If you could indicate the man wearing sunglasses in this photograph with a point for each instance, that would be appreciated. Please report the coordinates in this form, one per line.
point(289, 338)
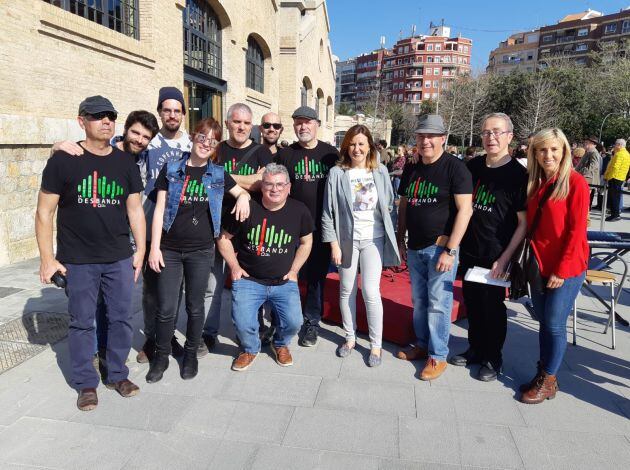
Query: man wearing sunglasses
point(97, 198)
point(271, 129)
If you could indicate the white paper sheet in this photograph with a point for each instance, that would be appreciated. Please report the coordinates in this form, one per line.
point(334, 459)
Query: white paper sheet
point(482, 276)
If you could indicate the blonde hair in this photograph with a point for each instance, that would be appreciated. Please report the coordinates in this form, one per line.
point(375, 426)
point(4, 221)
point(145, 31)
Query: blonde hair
point(536, 173)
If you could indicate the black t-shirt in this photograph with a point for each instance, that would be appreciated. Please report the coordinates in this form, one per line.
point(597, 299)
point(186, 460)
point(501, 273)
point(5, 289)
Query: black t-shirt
point(308, 170)
point(192, 228)
point(92, 224)
point(232, 159)
point(430, 191)
point(267, 241)
point(498, 194)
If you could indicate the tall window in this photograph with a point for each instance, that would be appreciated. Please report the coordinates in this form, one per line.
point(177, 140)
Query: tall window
point(202, 38)
point(119, 15)
point(255, 71)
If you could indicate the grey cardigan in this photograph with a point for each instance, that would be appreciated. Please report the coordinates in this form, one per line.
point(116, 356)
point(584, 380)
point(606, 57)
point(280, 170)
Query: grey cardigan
point(338, 221)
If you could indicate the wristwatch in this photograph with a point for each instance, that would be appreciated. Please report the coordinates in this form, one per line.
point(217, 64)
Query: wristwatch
point(450, 251)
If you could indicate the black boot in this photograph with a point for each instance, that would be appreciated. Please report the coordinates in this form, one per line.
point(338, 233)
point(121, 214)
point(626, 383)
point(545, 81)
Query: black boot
point(190, 365)
point(157, 368)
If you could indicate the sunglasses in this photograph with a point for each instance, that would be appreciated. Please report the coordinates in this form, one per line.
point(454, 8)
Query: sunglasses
point(102, 115)
point(268, 125)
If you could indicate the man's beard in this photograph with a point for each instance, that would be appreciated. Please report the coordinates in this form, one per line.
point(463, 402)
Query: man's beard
point(172, 127)
point(270, 142)
point(305, 138)
point(127, 148)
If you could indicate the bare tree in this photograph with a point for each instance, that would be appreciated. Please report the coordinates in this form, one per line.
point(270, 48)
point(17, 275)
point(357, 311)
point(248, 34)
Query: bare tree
point(538, 107)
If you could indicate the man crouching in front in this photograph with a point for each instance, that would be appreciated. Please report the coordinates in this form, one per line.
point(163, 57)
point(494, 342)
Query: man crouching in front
point(271, 247)
point(95, 196)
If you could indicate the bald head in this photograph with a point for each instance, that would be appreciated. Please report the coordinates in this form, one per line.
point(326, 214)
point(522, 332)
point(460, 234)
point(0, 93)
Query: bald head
point(271, 129)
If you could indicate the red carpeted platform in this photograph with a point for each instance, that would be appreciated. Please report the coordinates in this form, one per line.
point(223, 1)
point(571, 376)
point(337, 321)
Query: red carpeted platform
point(397, 308)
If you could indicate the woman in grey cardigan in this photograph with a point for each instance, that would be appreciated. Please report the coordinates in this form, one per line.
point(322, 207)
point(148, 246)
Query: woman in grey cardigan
point(356, 222)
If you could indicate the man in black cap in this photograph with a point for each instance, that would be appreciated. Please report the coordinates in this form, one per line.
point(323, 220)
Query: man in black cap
point(98, 198)
point(435, 205)
point(308, 161)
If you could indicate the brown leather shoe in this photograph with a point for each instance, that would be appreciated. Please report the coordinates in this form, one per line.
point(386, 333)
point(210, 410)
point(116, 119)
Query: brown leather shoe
point(126, 388)
point(87, 400)
point(526, 386)
point(413, 353)
point(147, 352)
point(544, 388)
point(243, 361)
point(283, 355)
point(433, 369)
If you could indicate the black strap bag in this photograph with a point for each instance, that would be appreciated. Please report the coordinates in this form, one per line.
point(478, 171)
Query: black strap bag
point(524, 266)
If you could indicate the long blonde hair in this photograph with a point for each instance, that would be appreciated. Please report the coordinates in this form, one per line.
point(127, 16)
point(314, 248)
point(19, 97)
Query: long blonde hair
point(536, 173)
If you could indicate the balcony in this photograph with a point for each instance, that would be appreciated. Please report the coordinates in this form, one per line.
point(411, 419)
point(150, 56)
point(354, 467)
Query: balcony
point(562, 39)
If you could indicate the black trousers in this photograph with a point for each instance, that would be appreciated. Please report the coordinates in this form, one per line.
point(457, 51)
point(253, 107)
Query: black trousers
point(487, 319)
point(194, 269)
point(314, 272)
point(614, 193)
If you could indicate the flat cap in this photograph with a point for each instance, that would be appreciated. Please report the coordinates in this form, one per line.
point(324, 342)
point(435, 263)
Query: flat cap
point(96, 104)
point(305, 112)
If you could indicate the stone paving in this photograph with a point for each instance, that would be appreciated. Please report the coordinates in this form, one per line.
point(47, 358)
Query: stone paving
point(324, 412)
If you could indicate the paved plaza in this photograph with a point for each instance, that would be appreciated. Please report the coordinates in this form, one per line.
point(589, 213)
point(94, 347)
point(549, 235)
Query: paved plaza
point(322, 413)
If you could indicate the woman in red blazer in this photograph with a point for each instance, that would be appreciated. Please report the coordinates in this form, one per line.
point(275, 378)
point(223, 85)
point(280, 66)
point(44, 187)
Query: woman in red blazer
point(560, 246)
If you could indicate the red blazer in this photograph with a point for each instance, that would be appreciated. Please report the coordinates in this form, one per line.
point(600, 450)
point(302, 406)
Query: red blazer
point(560, 242)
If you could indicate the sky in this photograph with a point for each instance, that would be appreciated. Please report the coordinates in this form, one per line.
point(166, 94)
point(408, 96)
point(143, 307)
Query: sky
point(357, 25)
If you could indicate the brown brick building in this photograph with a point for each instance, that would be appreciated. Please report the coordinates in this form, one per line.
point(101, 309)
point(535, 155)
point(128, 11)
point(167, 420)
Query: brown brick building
point(421, 66)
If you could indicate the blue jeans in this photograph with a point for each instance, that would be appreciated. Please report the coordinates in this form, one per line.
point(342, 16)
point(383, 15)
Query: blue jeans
point(115, 281)
point(552, 309)
point(432, 295)
point(248, 296)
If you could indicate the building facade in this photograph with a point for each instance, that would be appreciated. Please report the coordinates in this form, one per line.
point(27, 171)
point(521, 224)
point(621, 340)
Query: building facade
point(380, 128)
point(518, 52)
point(369, 76)
point(576, 36)
point(420, 67)
point(272, 55)
point(346, 83)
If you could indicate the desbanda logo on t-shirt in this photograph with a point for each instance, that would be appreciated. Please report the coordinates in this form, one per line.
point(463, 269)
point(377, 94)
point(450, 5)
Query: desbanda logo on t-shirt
point(233, 168)
point(99, 191)
point(421, 192)
point(482, 198)
point(193, 191)
point(268, 240)
point(308, 170)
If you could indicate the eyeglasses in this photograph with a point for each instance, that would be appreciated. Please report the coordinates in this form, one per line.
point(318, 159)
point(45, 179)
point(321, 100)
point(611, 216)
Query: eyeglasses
point(202, 138)
point(268, 125)
point(268, 185)
point(495, 134)
point(102, 115)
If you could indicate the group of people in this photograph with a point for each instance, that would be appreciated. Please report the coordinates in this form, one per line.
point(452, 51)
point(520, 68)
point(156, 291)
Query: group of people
point(200, 208)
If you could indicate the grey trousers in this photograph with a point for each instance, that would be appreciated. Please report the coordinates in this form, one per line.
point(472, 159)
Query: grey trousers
point(369, 255)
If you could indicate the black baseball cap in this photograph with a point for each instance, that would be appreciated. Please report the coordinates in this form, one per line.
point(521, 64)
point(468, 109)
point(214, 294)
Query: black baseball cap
point(96, 104)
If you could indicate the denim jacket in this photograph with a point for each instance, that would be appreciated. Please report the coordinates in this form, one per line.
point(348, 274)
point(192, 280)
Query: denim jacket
point(212, 180)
